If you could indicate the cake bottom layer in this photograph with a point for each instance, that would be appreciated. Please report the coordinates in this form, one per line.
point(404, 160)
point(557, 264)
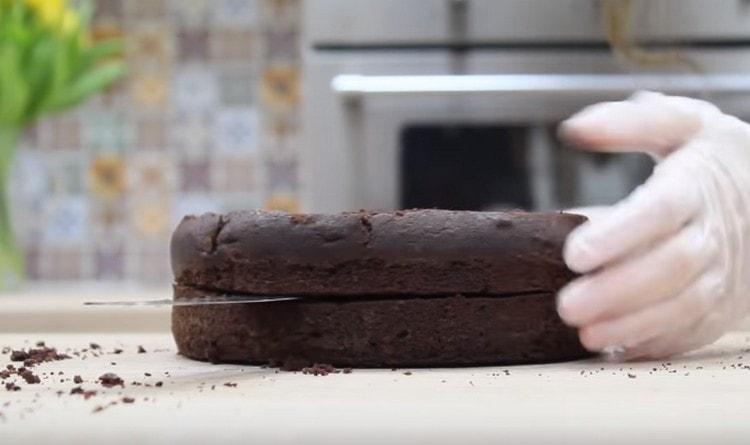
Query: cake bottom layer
point(387, 332)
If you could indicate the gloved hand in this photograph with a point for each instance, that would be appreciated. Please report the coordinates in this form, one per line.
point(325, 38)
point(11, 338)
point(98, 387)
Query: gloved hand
point(667, 269)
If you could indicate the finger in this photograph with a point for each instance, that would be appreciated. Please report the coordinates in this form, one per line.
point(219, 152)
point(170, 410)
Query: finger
point(647, 121)
point(694, 336)
point(658, 208)
point(640, 280)
point(593, 213)
point(658, 321)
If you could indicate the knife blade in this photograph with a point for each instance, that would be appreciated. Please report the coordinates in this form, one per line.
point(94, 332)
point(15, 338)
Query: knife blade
point(199, 301)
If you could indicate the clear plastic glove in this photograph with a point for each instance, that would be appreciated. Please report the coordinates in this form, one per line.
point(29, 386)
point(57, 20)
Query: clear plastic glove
point(667, 269)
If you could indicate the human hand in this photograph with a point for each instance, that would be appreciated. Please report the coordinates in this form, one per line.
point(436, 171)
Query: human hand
point(667, 269)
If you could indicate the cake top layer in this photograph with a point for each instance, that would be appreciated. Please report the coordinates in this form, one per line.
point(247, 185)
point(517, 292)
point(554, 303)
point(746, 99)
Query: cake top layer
point(395, 235)
point(411, 241)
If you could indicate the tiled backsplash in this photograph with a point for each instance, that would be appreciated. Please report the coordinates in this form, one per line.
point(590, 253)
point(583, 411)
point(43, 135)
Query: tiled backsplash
point(207, 119)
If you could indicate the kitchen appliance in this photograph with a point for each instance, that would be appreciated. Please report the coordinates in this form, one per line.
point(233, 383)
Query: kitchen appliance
point(454, 104)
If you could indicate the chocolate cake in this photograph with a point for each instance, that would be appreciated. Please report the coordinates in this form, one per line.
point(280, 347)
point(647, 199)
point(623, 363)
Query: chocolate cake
point(406, 288)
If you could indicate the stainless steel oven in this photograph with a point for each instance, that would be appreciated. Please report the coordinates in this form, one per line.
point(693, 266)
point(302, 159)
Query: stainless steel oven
point(454, 104)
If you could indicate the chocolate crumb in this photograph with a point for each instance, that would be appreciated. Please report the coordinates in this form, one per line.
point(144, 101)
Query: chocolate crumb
point(320, 369)
point(231, 385)
point(147, 374)
point(407, 373)
point(128, 400)
point(76, 390)
point(94, 346)
point(33, 357)
point(631, 376)
point(141, 349)
point(109, 380)
point(117, 351)
point(158, 384)
point(40, 344)
point(77, 379)
point(10, 386)
point(19, 356)
point(30, 377)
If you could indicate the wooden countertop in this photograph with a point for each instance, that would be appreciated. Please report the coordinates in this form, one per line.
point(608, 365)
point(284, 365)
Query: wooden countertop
point(701, 397)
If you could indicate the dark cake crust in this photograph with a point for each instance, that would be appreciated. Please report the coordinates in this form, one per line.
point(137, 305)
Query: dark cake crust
point(372, 332)
point(419, 252)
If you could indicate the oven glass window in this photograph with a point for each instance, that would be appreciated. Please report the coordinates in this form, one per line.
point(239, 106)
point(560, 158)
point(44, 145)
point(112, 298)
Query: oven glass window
point(464, 167)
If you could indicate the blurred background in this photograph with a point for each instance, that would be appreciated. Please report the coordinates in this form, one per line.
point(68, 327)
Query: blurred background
point(207, 119)
point(330, 105)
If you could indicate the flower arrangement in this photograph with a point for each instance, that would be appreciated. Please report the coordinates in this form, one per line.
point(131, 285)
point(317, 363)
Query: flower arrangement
point(48, 63)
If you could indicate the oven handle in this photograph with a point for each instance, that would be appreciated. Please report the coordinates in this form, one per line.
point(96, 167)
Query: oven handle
point(356, 86)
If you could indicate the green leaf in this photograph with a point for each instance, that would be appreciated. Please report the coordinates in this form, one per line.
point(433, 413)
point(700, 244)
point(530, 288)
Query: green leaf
point(99, 52)
point(92, 82)
point(14, 92)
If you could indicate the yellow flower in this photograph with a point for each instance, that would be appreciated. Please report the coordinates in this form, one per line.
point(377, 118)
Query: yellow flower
point(70, 22)
point(50, 11)
point(56, 14)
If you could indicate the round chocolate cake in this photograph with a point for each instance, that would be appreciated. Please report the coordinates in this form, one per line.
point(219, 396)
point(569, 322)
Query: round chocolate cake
point(405, 288)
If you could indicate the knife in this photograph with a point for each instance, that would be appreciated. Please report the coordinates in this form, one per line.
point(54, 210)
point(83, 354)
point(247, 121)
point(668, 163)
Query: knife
point(198, 301)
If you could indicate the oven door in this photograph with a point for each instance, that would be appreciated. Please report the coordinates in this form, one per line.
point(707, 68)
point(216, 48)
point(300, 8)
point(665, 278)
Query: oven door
point(396, 130)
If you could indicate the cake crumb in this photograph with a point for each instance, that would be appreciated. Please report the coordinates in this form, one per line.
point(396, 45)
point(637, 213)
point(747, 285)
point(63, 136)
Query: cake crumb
point(110, 379)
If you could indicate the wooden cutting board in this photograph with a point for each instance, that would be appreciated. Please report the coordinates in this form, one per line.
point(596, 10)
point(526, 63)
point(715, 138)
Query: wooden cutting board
point(702, 397)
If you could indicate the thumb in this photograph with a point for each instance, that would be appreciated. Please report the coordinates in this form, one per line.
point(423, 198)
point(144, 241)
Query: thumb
point(650, 122)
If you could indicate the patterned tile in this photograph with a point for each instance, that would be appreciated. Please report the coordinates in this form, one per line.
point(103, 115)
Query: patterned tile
point(208, 119)
point(280, 88)
point(150, 219)
point(283, 201)
point(193, 204)
point(283, 13)
point(66, 220)
point(109, 220)
point(236, 130)
point(68, 176)
point(228, 45)
point(31, 178)
point(191, 13)
point(237, 85)
point(237, 13)
point(140, 11)
point(281, 175)
point(150, 265)
point(150, 90)
point(151, 173)
point(195, 90)
point(108, 176)
point(109, 262)
point(59, 132)
point(149, 47)
point(191, 136)
point(106, 132)
point(151, 133)
point(108, 10)
point(193, 45)
point(195, 175)
point(234, 174)
point(63, 263)
point(32, 259)
point(281, 44)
